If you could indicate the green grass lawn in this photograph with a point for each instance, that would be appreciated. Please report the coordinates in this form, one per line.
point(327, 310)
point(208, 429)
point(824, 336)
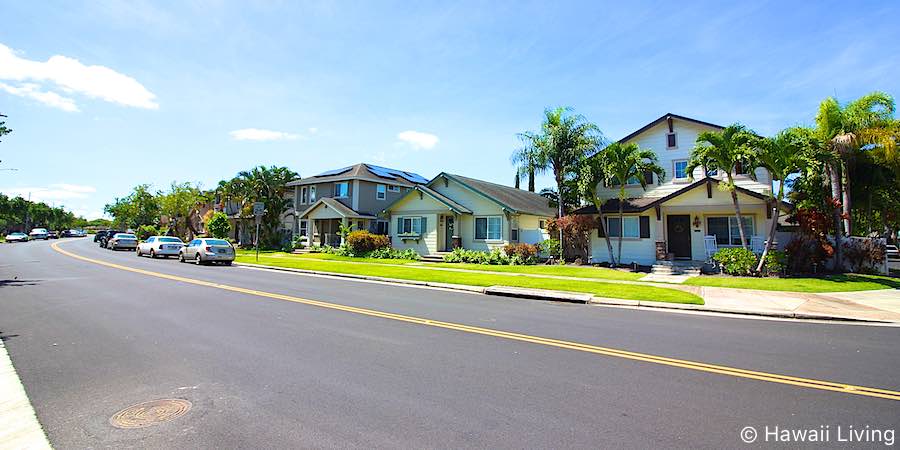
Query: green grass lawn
point(828, 283)
point(612, 290)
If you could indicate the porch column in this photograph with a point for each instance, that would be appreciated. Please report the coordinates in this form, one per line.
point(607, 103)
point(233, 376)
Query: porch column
point(311, 231)
point(456, 240)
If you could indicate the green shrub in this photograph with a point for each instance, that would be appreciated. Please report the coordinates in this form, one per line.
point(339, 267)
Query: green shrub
point(218, 225)
point(736, 261)
point(550, 247)
point(362, 242)
point(299, 241)
point(776, 261)
point(494, 257)
point(145, 231)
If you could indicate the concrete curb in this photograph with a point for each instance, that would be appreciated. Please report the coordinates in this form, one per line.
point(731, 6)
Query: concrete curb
point(567, 297)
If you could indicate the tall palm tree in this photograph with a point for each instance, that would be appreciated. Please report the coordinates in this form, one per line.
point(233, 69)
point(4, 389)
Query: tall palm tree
point(724, 151)
point(622, 163)
point(782, 155)
point(526, 158)
point(564, 141)
point(268, 185)
point(848, 128)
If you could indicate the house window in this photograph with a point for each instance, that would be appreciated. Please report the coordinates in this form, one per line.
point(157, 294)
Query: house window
point(542, 224)
point(380, 192)
point(739, 169)
point(671, 141)
point(514, 235)
point(303, 228)
point(726, 231)
point(411, 225)
point(629, 227)
point(304, 195)
point(312, 194)
point(488, 228)
point(680, 169)
point(381, 227)
point(394, 188)
point(342, 189)
point(712, 172)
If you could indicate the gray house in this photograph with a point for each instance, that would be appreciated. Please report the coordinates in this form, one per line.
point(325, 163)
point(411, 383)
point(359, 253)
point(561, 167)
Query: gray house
point(353, 195)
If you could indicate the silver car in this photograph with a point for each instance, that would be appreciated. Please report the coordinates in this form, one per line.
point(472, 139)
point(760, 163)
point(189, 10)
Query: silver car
point(206, 250)
point(157, 246)
point(122, 240)
point(18, 236)
point(39, 233)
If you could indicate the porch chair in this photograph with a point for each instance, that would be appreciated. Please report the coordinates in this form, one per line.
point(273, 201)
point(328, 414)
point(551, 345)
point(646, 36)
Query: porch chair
point(709, 243)
point(757, 244)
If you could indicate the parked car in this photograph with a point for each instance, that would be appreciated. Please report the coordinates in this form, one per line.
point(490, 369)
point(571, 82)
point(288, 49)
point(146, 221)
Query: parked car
point(156, 246)
point(53, 235)
point(39, 233)
point(18, 236)
point(206, 250)
point(104, 240)
point(98, 236)
point(122, 240)
point(79, 233)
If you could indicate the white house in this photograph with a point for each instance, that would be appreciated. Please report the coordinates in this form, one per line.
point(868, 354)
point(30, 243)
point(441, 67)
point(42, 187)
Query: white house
point(671, 218)
point(455, 211)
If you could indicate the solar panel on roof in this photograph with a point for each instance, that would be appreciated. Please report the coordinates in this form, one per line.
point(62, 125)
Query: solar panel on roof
point(382, 172)
point(334, 172)
point(394, 173)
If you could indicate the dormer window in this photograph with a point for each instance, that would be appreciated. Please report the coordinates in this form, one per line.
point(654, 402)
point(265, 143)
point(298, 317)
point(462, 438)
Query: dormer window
point(671, 141)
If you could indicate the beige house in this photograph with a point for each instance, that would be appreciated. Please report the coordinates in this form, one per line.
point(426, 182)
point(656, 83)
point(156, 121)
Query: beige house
point(455, 211)
point(680, 217)
point(353, 195)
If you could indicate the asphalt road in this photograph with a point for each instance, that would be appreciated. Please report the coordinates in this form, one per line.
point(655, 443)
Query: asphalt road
point(88, 340)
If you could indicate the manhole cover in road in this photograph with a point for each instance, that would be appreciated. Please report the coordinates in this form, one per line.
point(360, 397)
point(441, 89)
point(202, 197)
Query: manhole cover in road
point(150, 413)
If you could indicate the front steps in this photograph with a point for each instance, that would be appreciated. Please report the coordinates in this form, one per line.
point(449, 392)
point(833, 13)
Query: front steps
point(690, 268)
point(433, 257)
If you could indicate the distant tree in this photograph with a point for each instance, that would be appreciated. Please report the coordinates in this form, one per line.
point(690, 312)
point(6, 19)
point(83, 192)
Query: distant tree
point(140, 207)
point(267, 185)
point(4, 130)
point(181, 205)
point(218, 225)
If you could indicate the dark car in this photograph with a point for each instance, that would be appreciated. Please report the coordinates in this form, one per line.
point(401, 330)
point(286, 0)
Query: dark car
point(53, 235)
point(99, 235)
point(108, 235)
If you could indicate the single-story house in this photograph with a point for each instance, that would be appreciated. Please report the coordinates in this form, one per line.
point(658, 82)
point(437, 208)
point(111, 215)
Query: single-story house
point(453, 211)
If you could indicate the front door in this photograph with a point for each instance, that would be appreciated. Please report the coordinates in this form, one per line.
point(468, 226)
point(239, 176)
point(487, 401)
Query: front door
point(678, 230)
point(448, 233)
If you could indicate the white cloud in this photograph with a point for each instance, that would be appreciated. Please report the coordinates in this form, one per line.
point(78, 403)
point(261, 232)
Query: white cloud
point(33, 91)
point(72, 77)
point(53, 193)
point(312, 130)
point(257, 134)
point(418, 140)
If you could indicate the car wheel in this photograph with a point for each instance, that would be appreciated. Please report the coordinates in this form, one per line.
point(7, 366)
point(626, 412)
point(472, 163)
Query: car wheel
point(180, 257)
point(198, 260)
point(137, 251)
point(227, 263)
point(152, 254)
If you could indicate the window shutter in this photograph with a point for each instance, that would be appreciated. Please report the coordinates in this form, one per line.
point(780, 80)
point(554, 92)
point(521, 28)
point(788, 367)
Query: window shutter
point(399, 225)
point(422, 226)
point(648, 177)
point(645, 227)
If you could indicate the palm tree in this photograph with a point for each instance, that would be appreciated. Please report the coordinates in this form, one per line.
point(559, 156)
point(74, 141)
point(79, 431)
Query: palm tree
point(591, 176)
point(564, 141)
point(268, 185)
point(782, 155)
point(724, 151)
point(622, 163)
point(526, 158)
point(845, 129)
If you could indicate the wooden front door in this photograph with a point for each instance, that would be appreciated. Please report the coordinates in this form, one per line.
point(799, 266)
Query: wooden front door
point(448, 233)
point(678, 235)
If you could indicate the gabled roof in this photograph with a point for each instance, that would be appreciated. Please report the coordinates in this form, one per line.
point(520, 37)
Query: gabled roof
point(447, 201)
point(665, 117)
point(363, 171)
point(339, 207)
point(509, 198)
point(641, 204)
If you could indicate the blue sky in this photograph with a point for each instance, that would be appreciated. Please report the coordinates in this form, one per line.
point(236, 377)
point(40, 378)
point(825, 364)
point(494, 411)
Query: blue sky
point(108, 94)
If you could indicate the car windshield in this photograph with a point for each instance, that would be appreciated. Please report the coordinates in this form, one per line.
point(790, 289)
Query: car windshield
point(17, 234)
point(125, 236)
point(217, 242)
point(39, 230)
point(170, 239)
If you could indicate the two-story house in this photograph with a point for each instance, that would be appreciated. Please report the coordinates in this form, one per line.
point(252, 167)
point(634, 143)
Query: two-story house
point(353, 195)
point(673, 218)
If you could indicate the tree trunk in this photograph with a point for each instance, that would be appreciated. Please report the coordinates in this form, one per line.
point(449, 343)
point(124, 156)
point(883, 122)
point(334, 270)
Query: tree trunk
point(737, 211)
point(773, 228)
point(517, 180)
point(845, 198)
point(621, 226)
point(531, 180)
point(612, 256)
point(559, 186)
point(836, 214)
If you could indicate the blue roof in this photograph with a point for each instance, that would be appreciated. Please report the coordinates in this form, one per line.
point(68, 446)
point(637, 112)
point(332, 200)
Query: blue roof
point(394, 173)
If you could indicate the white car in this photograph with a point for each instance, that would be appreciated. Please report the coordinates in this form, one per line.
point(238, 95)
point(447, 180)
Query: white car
point(18, 236)
point(156, 246)
point(39, 233)
point(122, 240)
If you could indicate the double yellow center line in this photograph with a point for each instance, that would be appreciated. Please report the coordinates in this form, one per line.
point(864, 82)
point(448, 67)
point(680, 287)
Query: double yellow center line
point(577, 346)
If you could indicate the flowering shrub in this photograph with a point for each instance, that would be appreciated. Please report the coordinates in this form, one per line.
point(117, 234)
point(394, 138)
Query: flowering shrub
point(736, 261)
point(522, 253)
point(362, 242)
point(576, 234)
